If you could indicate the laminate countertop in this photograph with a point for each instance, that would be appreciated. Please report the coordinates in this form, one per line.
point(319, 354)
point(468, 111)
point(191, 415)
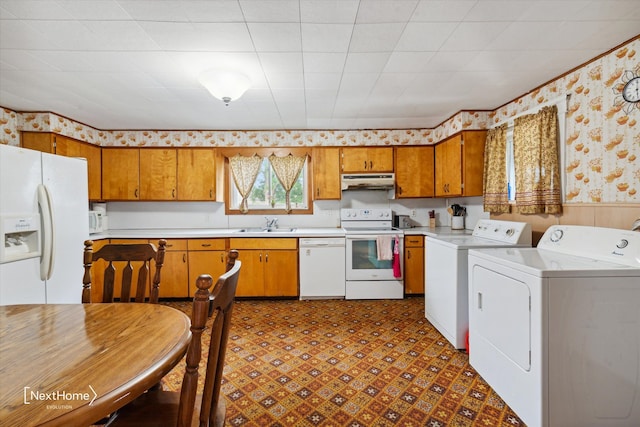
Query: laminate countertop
point(294, 232)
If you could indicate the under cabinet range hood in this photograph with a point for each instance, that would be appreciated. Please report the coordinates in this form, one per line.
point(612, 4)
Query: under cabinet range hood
point(368, 181)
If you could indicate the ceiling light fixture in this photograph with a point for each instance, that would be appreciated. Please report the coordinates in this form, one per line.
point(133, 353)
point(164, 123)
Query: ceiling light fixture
point(227, 86)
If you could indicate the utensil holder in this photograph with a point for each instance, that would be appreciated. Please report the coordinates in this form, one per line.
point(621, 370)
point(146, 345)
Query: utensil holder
point(432, 223)
point(457, 223)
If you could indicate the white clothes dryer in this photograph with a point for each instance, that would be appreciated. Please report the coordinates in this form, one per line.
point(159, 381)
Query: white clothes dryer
point(555, 330)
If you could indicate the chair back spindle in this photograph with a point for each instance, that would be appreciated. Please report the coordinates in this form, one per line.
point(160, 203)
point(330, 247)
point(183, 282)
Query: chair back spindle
point(138, 255)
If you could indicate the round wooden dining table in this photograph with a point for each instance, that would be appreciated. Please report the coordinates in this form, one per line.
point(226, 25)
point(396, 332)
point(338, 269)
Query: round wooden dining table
point(73, 364)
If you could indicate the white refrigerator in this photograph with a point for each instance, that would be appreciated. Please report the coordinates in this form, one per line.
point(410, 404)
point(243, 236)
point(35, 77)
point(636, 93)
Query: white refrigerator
point(43, 225)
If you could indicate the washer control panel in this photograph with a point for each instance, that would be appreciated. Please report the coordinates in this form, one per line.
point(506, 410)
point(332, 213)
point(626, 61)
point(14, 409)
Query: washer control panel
point(503, 231)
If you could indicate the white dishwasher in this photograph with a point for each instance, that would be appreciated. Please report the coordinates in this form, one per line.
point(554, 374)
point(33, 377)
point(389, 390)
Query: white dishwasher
point(322, 267)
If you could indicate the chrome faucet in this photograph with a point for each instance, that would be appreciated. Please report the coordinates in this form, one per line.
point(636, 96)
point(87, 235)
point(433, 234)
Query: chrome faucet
point(272, 223)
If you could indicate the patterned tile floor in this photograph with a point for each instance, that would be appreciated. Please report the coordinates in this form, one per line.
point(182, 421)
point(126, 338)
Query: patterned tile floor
point(348, 363)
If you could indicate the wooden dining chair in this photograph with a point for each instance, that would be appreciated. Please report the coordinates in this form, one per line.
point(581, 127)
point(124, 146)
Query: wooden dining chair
point(188, 408)
point(140, 255)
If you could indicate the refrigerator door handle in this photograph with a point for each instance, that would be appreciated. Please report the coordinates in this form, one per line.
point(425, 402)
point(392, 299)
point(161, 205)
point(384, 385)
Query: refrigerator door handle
point(48, 253)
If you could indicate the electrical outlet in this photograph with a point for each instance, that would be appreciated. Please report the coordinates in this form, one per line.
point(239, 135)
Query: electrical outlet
point(413, 213)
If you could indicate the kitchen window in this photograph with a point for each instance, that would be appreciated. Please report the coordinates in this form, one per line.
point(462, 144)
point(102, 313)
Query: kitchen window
point(266, 193)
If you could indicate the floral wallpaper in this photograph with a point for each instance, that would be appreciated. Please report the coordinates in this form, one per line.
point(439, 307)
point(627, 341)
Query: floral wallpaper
point(602, 145)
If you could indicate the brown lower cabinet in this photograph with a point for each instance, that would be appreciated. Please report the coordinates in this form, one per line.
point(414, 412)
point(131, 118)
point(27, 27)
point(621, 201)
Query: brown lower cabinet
point(175, 271)
point(414, 265)
point(269, 266)
point(206, 256)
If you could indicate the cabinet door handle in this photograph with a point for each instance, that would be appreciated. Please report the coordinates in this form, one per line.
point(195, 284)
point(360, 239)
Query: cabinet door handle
point(135, 193)
point(222, 257)
point(266, 257)
point(184, 257)
point(399, 190)
point(318, 192)
point(365, 165)
point(479, 300)
point(260, 256)
point(206, 245)
point(173, 193)
point(408, 253)
point(370, 164)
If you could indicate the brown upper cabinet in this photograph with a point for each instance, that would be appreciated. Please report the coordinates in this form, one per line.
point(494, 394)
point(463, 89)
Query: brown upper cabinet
point(158, 173)
point(459, 165)
point(414, 171)
point(197, 174)
point(326, 173)
point(69, 147)
point(121, 173)
point(367, 159)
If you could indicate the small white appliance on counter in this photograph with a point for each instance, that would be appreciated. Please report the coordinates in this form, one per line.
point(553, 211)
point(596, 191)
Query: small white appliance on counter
point(446, 292)
point(43, 224)
point(322, 265)
point(97, 222)
point(373, 269)
point(555, 330)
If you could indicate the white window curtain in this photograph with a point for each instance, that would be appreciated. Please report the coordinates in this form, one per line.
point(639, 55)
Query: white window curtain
point(287, 170)
point(244, 171)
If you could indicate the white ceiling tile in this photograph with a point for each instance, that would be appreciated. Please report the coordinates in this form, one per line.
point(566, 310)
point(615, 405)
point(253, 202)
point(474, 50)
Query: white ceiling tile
point(281, 62)
point(391, 85)
point(155, 10)
point(225, 37)
point(408, 61)
point(328, 11)
point(119, 35)
point(473, 35)
point(24, 60)
point(529, 36)
point(498, 10)
point(275, 37)
point(22, 35)
point(553, 10)
point(375, 37)
point(321, 62)
point(450, 61)
point(424, 37)
point(285, 81)
point(442, 11)
point(36, 9)
point(322, 81)
point(357, 84)
point(270, 10)
point(326, 37)
point(385, 11)
point(103, 10)
point(212, 11)
point(609, 10)
point(366, 62)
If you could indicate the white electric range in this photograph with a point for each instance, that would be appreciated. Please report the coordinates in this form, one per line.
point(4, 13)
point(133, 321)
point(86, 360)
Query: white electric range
point(370, 274)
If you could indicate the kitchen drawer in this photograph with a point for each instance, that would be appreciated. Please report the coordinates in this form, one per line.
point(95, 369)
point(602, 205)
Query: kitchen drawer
point(263, 243)
point(413, 241)
point(206, 244)
point(174, 244)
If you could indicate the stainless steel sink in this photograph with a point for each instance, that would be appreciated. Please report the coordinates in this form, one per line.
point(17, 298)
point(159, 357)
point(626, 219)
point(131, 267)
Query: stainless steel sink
point(266, 230)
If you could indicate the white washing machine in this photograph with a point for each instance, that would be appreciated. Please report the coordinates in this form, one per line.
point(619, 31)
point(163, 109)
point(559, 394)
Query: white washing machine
point(555, 330)
point(446, 291)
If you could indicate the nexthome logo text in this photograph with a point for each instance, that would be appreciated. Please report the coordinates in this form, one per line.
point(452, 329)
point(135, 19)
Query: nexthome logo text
point(58, 396)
